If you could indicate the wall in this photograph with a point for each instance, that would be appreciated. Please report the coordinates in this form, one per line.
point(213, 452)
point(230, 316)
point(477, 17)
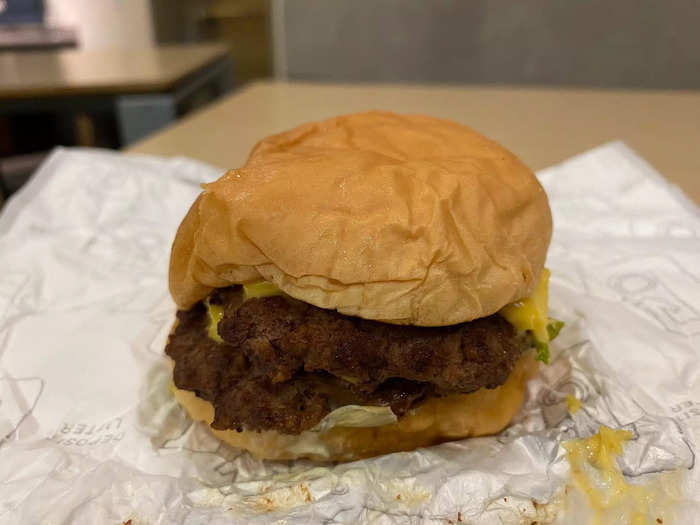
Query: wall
point(104, 23)
point(626, 43)
point(242, 24)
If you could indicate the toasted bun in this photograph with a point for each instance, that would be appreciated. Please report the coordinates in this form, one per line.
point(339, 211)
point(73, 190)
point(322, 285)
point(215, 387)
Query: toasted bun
point(436, 420)
point(397, 218)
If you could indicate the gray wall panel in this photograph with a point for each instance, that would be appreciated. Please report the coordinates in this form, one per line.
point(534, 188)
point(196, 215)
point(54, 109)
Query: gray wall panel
point(631, 43)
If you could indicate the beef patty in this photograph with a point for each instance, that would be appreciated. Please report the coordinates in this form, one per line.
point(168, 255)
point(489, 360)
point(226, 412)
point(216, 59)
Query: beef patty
point(284, 364)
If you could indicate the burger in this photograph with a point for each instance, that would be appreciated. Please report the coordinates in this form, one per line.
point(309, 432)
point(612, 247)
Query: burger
point(366, 284)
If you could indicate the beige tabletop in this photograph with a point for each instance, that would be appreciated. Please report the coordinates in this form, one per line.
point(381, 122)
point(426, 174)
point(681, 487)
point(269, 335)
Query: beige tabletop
point(540, 125)
point(59, 73)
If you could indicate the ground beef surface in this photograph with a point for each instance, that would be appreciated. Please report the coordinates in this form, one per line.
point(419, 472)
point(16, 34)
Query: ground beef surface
point(285, 364)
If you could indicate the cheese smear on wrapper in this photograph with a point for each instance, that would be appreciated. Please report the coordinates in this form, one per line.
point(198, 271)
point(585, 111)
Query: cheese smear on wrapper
point(611, 497)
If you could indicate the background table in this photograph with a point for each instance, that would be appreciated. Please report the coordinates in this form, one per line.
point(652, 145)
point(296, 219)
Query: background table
point(142, 86)
point(540, 125)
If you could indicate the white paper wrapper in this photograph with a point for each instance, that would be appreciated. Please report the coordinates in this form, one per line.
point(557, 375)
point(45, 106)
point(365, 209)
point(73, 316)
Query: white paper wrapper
point(90, 434)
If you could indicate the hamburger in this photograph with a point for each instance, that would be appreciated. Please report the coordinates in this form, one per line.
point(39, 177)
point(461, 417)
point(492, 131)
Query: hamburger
point(367, 284)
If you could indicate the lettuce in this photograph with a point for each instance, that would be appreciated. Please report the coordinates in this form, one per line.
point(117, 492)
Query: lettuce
point(356, 416)
point(554, 326)
point(542, 352)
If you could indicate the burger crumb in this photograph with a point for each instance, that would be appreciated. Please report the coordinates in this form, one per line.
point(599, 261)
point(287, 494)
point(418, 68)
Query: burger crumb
point(459, 517)
point(398, 497)
point(126, 522)
point(307, 494)
point(659, 520)
point(505, 499)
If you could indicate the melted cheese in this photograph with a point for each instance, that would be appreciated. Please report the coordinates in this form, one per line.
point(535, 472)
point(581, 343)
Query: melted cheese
point(530, 314)
point(573, 404)
point(595, 472)
point(260, 289)
point(214, 314)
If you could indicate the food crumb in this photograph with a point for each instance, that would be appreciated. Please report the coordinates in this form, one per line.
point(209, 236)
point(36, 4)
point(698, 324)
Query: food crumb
point(398, 497)
point(505, 499)
point(659, 520)
point(266, 504)
point(307, 494)
point(459, 517)
point(126, 522)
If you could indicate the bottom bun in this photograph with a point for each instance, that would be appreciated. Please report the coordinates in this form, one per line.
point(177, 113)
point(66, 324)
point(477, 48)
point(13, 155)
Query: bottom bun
point(434, 421)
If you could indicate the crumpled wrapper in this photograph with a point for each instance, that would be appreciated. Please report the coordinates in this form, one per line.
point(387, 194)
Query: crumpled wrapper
point(89, 432)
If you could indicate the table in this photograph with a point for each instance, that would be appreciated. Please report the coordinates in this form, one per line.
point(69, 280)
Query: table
point(143, 87)
point(540, 125)
point(36, 36)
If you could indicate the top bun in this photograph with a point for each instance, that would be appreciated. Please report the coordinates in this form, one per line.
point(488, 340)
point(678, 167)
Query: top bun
point(399, 218)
